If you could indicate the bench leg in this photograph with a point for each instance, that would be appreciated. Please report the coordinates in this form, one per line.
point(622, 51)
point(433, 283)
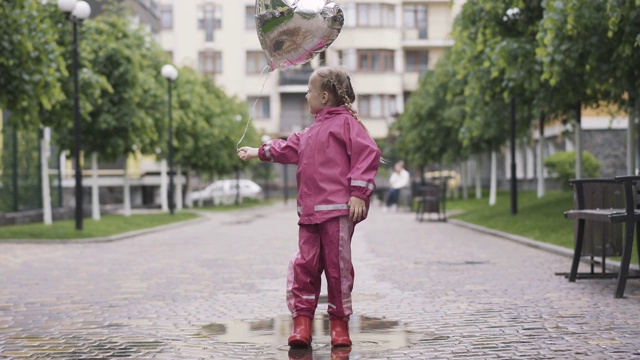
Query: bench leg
point(638, 241)
point(577, 252)
point(626, 258)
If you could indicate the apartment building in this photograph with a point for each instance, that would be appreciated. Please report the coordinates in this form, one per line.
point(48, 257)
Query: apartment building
point(144, 13)
point(386, 46)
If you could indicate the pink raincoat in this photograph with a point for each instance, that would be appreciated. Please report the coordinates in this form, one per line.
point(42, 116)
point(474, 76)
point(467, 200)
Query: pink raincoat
point(336, 159)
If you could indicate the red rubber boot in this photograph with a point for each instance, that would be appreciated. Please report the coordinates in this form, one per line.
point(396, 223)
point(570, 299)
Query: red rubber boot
point(340, 333)
point(301, 334)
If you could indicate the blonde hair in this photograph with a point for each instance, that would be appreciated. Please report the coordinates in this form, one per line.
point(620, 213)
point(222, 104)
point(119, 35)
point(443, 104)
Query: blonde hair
point(337, 83)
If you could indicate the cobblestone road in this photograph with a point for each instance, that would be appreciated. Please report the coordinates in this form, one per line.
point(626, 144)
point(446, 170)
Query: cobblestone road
point(215, 289)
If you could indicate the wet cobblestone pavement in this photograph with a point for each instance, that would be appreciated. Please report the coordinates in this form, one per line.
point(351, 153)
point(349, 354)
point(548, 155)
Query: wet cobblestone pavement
point(215, 290)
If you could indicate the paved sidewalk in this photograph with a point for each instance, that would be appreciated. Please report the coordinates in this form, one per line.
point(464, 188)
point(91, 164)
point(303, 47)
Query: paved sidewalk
point(215, 290)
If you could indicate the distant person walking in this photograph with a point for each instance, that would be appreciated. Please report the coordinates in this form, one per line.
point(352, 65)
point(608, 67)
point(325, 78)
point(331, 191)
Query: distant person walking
point(399, 179)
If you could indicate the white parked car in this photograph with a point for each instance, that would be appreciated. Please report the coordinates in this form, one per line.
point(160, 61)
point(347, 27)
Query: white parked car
point(223, 192)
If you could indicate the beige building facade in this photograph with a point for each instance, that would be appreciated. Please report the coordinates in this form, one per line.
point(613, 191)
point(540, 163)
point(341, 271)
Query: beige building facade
point(385, 45)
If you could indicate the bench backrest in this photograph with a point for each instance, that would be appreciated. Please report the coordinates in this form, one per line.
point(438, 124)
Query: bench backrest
point(429, 190)
point(602, 196)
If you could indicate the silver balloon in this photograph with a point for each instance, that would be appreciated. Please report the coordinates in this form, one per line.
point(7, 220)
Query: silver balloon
point(292, 32)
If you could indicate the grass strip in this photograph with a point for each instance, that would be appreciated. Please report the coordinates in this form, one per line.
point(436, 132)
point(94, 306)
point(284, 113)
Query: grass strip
point(109, 225)
point(539, 219)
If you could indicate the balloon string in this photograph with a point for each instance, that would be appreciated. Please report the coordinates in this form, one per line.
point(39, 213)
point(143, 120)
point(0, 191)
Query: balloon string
point(254, 105)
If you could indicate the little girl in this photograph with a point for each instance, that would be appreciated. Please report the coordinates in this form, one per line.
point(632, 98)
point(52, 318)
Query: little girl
point(337, 162)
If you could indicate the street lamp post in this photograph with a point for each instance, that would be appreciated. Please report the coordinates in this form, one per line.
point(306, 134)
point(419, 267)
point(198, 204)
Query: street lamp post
point(170, 73)
point(513, 14)
point(78, 12)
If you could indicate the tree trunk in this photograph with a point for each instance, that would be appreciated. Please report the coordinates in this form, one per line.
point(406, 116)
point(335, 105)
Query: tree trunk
point(178, 199)
point(494, 178)
point(126, 190)
point(95, 189)
point(46, 190)
point(540, 162)
point(636, 111)
point(164, 195)
point(478, 177)
point(464, 169)
point(578, 135)
point(188, 200)
point(631, 141)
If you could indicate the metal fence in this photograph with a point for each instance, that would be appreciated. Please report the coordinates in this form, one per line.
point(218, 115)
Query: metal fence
point(20, 171)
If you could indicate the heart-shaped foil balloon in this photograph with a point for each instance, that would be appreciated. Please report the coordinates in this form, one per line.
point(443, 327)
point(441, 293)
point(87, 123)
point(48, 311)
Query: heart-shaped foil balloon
point(293, 32)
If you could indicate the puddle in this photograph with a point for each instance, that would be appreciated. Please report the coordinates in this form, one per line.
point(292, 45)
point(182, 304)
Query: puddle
point(369, 335)
point(262, 339)
point(238, 221)
point(466, 262)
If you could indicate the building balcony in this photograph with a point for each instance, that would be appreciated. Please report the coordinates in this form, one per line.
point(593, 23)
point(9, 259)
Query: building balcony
point(295, 77)
point(151, 6)
point(419, 38)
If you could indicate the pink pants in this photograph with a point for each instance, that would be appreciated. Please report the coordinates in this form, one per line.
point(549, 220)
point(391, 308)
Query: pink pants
point(322, 247)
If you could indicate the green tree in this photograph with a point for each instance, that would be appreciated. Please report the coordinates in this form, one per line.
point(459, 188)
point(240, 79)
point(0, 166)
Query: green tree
point(114, 87)
point(624, 85)
point(207, 125)
point(32, 62)
point(428, 130)
point(575, 52)
point(485, 125)
point(624, 34)
point(496, 55)
point(92, 84)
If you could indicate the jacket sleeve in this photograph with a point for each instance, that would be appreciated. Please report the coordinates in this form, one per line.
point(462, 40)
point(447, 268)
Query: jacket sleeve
point(365, 159)
point(281, 151)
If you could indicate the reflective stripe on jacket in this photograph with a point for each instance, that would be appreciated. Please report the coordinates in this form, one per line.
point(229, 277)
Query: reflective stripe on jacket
point(336, 159)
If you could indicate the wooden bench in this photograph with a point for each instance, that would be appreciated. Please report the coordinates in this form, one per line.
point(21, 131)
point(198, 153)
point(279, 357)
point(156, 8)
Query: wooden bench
point(610, 207)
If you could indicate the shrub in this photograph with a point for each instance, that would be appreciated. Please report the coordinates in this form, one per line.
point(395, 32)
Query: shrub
point(563, 164)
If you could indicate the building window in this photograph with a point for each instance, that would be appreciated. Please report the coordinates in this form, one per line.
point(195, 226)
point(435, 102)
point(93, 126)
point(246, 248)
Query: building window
point(250, 17)
point(210, 62)
point(256, 62)
point(416, 60)
point(323, 58)
point(166, 16)
point(377, 106)
point(415, 17)
point(209, 19)
point(259, 107)
point(376, 15)
point(375, 60)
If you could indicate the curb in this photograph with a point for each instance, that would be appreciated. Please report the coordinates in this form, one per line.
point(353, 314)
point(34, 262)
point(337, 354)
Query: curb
point(555, 249)
point(105, 238)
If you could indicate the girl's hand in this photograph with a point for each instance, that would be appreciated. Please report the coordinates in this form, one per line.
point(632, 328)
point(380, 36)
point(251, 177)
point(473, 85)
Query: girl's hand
point(245, 153)
point(357, 209)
